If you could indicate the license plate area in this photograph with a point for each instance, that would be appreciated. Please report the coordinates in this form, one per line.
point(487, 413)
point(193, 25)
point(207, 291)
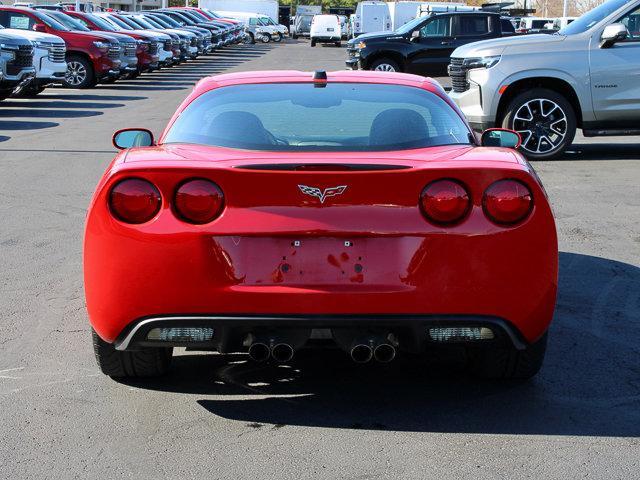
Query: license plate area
point(316, 261)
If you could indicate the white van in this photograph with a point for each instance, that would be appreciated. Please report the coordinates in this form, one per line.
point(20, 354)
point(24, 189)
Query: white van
point(326, 29)
point(371, 17)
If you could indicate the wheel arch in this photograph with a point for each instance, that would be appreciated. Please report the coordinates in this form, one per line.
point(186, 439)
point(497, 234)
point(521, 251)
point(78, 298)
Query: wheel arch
point(391, 55)
point(558, 85)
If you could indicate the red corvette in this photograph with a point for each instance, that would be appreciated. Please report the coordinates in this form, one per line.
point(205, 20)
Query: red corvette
point(279, 208)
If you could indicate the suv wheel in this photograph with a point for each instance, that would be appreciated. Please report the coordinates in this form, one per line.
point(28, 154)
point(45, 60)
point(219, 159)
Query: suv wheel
point(249, 38)
point(145, 362)
point(79, 73)
point(265, 38)
point(507, 362)
point(385, 65)
point(278, 37)
point(544, 119)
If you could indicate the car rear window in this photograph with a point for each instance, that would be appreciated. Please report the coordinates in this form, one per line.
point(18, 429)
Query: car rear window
point(302, 117)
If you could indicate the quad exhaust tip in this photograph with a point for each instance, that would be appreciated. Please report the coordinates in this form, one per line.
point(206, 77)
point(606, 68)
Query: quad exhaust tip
point(384, 353)
point(361, 353)
point(282, 352)
point(259, 352)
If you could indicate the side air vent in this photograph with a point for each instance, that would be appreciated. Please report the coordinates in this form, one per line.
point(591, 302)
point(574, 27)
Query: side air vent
point(322, 167)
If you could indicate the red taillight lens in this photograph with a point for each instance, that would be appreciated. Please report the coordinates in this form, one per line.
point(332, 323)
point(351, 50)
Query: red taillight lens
point(445, 201)
point(507, 202)
point(199, 201)
point(134, 200)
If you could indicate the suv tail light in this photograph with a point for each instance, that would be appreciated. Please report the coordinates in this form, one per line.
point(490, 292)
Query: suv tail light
point(134, 200)
point(507, 202)
point(198, 201)
point(445, 202)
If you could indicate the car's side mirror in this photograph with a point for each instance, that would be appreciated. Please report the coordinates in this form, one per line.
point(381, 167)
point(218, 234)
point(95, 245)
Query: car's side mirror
point(39, 27)
point(132, 137)
point(415, 35)
point(612, 34)
point(500, 137)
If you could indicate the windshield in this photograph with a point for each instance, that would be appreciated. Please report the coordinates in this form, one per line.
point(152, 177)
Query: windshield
point(410, 26)
point(68, 22)
point(182, 19)
point(167, 20)
point(121, 23)
point(593, 17)
point(50, 21)
point(149, 21)
point(300, 117)
point(112, 21)
point(157, 22)
point(268, 21)
point(100, 22)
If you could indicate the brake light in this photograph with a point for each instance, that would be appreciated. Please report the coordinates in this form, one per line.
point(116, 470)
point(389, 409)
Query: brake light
point(134, 200)
point(198, 201)
point(507, 202)
point(445, 202)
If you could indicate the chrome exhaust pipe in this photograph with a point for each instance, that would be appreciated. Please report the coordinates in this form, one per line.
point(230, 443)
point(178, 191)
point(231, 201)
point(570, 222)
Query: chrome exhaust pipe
point(384, 353)
point(259, 352)
point(282, 352)
point(361, 353)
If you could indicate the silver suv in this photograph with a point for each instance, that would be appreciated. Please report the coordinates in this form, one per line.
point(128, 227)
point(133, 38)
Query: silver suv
point(585, 76)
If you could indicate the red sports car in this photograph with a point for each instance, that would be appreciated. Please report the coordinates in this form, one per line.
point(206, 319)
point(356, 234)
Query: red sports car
point(279, 208)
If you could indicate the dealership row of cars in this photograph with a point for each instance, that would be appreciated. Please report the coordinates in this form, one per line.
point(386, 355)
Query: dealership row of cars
point(47, 45)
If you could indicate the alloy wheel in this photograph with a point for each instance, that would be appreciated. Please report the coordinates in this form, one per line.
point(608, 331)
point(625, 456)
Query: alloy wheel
point(76, 73)
point(542, 124)
point(384, 67)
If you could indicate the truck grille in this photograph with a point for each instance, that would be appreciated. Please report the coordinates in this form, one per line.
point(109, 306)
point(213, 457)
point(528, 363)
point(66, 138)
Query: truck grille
point(23, 58)
point(57, 53)
point(458, 75)
point(130, 50)
point(194, 42)
point(167, 45)
point(153, 48)
point(114, 52)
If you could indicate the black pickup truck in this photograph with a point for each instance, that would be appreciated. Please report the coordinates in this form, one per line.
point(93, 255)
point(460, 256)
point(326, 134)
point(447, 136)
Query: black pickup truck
point(423, 46)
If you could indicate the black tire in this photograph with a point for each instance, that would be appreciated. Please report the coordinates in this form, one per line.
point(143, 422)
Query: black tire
point(385, 65)
point(313, 43)
point(88, 81)
point(4, 94)
point(252, 40)
point(294, 36)
point(506, 362)
point(541, 125)
point(278, 38)
point(266, 38)
point(146, 362)
point(338, 44)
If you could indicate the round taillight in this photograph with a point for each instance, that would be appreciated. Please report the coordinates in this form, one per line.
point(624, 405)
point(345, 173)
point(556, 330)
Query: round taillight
point(198, 201)
point(445, 201)
point(507, 202)
point(134, 200)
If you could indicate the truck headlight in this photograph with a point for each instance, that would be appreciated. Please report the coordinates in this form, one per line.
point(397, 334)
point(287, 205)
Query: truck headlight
point(361, 45)
point(102, 46)
point(481, 62)
point(7, 55)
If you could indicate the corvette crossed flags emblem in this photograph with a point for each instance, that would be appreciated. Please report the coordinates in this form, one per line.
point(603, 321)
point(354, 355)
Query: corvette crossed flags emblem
point(322, 195)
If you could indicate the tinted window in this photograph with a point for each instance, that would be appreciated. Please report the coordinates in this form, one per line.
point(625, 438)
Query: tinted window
point(299, 117)
point(537, 24)
point(438, 27)
point(632, 22)
point(589, 19)
point(472, 25)
point(507, 26)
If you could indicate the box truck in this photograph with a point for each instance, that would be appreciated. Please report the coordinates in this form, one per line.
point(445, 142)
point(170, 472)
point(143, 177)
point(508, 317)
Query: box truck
point(371, 17)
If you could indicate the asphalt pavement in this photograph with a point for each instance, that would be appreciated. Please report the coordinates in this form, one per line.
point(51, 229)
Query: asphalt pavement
point(218, 416)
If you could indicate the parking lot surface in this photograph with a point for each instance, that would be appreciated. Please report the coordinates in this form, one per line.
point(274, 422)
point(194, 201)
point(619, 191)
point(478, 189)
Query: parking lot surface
point(222, 417)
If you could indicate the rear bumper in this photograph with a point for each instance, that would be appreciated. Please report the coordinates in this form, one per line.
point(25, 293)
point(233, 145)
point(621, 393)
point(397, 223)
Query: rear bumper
point(412, 331)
